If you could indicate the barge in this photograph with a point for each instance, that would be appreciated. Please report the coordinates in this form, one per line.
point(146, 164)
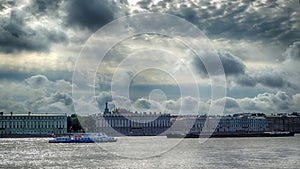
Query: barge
point(222, 135)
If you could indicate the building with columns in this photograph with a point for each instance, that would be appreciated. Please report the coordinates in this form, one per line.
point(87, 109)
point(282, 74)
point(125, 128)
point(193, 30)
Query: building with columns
point(122, 122)
point(37, 124)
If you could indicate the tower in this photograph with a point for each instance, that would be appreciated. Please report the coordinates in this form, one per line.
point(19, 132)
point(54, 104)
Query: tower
point(106, 110)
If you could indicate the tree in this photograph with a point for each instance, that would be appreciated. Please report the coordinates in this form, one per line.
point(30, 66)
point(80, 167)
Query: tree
point(73, 124)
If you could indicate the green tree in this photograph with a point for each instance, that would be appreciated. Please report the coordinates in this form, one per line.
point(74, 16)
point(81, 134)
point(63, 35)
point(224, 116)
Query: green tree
point(73, 124)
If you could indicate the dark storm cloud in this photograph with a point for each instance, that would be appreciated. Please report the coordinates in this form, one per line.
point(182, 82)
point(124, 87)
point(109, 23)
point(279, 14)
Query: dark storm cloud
point(271, 80)
point(46, 5)
point(21, 73)
point(36, 94)
point(144, 4)
point(268, 78)
point(269, 21)
point(63, 97)
point(56, 102)
point(234, 69)
point(293, 51)
point(90, 14)
point(16, 34)
point(13, 74)
point(232, 65)
point(246, 80)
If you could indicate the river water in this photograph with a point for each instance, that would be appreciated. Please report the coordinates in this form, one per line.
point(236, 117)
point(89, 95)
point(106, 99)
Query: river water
point(153, 152)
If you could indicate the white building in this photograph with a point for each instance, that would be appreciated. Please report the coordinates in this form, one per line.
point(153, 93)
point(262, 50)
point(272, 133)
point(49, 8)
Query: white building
point(243, 124)
point(33, 123)
point(221, 124)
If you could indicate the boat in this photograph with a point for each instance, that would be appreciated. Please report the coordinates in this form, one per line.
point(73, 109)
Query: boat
point(183, 135)
point(83, 138)
point(220, 135)
point(279, 133)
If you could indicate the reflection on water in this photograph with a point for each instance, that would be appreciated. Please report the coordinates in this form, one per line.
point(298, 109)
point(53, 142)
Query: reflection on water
point(131, 152)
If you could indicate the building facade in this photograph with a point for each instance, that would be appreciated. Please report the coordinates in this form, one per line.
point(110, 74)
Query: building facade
point(133, 124)
point(220, 124)
point(44, 124)
point(123, 122)
point(143, 124)
point(284, 122)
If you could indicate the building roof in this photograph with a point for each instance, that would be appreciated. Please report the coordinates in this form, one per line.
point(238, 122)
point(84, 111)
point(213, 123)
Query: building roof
point(16, 114)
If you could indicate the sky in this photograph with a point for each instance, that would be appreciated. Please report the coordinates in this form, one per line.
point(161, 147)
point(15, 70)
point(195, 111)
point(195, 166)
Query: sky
point(257, 42)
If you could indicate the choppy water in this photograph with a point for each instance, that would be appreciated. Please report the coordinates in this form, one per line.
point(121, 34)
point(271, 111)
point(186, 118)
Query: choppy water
point(153, 152)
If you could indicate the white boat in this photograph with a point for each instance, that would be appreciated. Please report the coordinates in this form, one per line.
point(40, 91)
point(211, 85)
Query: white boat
point(83, 138)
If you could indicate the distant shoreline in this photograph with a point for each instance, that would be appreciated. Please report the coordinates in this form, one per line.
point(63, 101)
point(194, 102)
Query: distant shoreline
point(50, 136)
point(28, 135)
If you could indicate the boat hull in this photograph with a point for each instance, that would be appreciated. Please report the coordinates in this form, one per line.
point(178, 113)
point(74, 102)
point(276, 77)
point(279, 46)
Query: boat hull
point(83, 138)
point(222, 135)
point(78, 141)
point(70, 141)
